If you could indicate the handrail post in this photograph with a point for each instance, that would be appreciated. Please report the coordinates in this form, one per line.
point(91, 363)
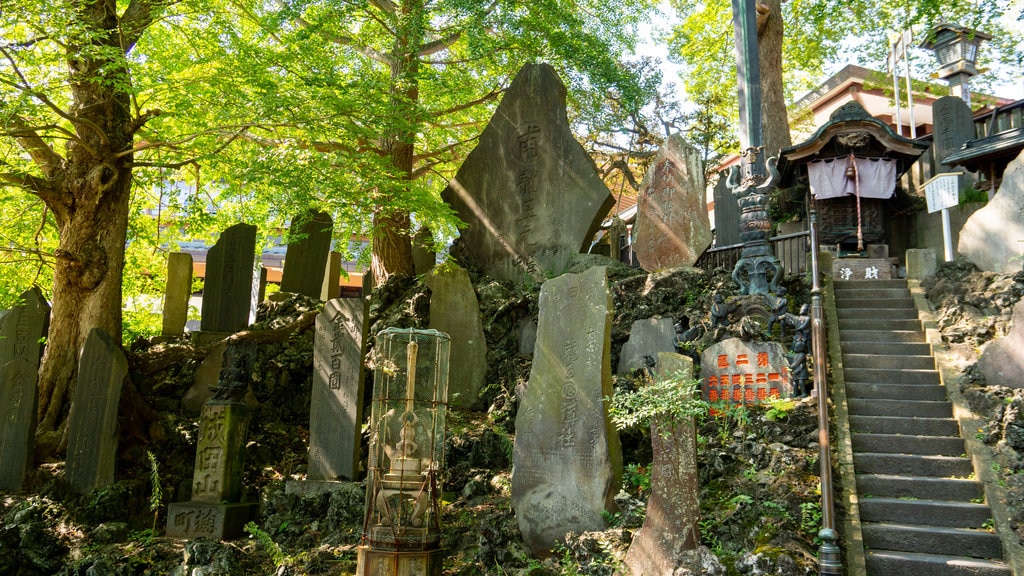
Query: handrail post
point(829, 561)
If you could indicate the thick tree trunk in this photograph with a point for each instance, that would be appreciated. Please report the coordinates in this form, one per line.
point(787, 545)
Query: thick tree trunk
point(774, 120)
point(91, 211)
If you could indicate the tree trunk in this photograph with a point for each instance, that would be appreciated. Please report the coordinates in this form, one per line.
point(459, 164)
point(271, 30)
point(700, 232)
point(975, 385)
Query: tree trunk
point(91, 211)
point(774, 121)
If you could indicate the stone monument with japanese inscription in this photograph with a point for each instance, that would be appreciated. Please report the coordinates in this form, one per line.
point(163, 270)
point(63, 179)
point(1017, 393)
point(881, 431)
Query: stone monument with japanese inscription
point(455, 311)
point(673, 510)
point(727, 213)
point(22, 328)
point(566, 458)
point(647, 337)
point(228, 288)
point(529, 193)
point(92, 421)
point(305, 261)
point(952, 125)
point(336, 401)
point(736, 371)
point(177, 294)
point(672, 227)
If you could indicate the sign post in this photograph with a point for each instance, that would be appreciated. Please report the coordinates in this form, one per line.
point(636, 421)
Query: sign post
point(943, 192)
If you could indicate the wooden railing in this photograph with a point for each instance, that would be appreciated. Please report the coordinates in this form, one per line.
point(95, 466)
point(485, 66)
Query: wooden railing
point(790, 249)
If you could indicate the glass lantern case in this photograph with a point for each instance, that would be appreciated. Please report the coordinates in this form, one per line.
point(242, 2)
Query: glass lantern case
point(407, 436)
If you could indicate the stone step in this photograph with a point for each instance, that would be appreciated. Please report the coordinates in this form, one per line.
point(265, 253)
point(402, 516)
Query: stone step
point(903, 444)
point(969, 542)
point(889, 348)
point(927, 512)
point(912, 464)
point(880, 336)
point(900, 408)
point(888, 361)
point(883, 323)
point(891, 376)
point(854, 303)
point(895, 391)
point(868, 284)
point(919, 487)
point(903, 425)
point(894, 313)
point(892, 563)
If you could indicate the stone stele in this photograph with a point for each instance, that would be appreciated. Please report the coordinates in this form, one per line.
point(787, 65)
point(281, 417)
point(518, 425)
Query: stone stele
point(566, 458)
point(305, 261)
point(177, 293)
point(455, 311)
point(21, 329)
point(672, 227)
point(530, 194)
point(670, 525)
point(739, 372)
point(647, 338)
point(1002, 361)
point(227, 290)
point(92, 422)
point(991, 237)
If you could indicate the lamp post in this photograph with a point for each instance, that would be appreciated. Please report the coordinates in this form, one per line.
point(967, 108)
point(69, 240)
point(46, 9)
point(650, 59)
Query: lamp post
point(956, 49)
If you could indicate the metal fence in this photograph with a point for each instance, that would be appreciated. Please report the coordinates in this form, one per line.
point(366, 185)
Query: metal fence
point(790, 249)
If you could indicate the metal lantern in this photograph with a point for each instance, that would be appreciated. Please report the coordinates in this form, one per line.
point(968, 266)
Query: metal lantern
point(402, 530)
point(956, 49)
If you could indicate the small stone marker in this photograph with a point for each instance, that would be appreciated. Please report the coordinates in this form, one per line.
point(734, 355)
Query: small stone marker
point(336, 402)
point(739, 372)
point(670, 525)
point(332, 277)
point(177, 293)
point(92, 422)
point(309, 242)
point(423, 256)
point(921, 263)
point(455, 311)
point(1002, 361)
point(861, 269)
point(991, 237)
point(530, 194)
point(647, 338)
point(566, 458)
point(227, 291)
point(727, 213)
point(21, 329)
point(672, 227)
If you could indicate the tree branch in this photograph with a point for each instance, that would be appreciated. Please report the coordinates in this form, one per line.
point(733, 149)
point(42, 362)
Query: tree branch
point(439, 44)
point(50, 164)
point(494, 93)
point(385, 5)
point(137, 17)
point(350, 42)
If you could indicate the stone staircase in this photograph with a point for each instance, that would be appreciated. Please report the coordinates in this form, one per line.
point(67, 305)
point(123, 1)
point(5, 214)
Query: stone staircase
point(922, 511)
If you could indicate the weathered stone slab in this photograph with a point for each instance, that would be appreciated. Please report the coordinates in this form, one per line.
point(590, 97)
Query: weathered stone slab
point(727, 213)
point(672, 227)
point(21, 329)
point(177, 293)
point(1002, 361)
point(205, 377)
point(647, 338)
point(991, 238)
point(861, 269)
point(952, 125)
point(735, 371)
point(670, 525)
point(423, 255)
point(228, 288)
point(529, 193)
point(336, 401)
point(332, 277)
point(921, 263)
point(455, 311)
point(220, 452)
point(309, 242)
point(92, 422)
point(216, 521)
point(567, 458)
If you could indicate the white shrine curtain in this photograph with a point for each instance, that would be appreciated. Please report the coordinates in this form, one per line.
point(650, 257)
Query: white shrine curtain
point(828, 179)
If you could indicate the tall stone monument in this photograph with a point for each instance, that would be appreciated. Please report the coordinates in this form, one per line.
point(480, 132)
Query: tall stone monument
point(455, 311)
point(92, 422)
point(672, 227)
point(529, 193)
point(673, 510)
point(991, 237)
point(227, 291)
point(21, 330)
point(727, 213)
point(566, 458)
point(953, 125)
point(177, 294)
point(305, 261)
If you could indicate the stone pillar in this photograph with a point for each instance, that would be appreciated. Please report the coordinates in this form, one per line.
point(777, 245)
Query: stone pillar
point(177, 294)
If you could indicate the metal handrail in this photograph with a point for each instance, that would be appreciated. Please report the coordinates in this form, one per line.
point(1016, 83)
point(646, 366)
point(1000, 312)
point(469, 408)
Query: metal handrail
point(829, 561)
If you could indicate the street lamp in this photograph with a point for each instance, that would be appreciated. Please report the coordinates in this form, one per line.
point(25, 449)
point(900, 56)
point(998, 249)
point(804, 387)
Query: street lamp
point(956, 49)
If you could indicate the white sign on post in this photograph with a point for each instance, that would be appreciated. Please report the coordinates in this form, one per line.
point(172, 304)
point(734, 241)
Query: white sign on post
point(942, 191)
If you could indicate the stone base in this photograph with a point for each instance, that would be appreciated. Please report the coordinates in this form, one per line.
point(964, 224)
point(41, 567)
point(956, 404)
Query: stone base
point(862, 269)
point(307, 488)
point(370, 562)
point(921, 263)
point(208, 520)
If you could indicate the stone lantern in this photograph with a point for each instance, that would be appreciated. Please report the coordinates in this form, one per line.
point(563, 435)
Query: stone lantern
point(402, 530)
point(956, 49)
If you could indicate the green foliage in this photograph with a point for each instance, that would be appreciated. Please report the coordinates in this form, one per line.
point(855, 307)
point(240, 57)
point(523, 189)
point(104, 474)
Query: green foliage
point(778, 408)
point(637, 478)
point(810, 519)
point(674, 398)
point(277, 555)
point(156, 495)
